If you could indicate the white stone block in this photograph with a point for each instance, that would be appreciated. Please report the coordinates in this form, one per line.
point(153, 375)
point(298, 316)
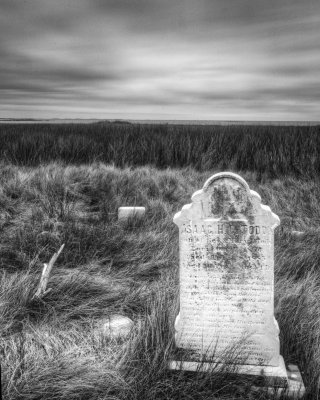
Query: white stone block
point(128, 212)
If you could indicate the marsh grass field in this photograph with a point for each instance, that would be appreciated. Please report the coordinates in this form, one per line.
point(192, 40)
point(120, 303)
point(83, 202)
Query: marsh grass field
point(64, 183)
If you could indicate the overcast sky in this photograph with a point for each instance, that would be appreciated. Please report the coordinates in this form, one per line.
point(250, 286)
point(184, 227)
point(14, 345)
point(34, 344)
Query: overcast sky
point(160, 59)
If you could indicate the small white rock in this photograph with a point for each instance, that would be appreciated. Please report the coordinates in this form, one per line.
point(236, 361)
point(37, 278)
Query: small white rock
point(128, 212)
point(118, 326)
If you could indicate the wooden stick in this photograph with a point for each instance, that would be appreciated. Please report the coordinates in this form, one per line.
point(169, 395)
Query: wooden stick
point(41, 291)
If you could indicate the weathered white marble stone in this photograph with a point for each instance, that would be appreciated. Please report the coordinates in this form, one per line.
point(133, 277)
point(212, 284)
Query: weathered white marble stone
point(118, 326)
point(226, 244)
point(128, 212)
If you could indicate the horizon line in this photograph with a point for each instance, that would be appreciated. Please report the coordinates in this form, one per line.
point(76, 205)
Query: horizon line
point(161, 121)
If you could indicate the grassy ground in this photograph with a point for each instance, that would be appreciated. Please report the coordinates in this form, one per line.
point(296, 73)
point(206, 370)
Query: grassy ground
point(269, 151)
point(55, 349)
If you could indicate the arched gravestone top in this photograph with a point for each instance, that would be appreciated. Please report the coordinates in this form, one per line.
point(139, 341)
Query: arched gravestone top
point(225, 195)
point(226, 245)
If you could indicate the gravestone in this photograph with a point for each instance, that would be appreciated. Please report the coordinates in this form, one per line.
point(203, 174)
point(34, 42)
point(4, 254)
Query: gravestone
point(226, 245)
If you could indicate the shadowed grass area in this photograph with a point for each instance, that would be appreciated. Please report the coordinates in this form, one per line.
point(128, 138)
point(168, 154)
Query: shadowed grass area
point(54, 348)
point(266, 150)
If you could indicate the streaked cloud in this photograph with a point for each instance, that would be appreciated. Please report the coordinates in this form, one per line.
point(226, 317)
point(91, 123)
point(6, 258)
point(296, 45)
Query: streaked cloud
point(209, 59)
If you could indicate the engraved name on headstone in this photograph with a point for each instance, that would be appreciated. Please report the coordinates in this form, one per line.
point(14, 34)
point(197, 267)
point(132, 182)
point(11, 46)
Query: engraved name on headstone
point(226, 240)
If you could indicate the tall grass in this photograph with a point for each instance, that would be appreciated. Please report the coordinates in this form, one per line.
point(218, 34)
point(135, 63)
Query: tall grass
point(265, 150)
point(55, 348)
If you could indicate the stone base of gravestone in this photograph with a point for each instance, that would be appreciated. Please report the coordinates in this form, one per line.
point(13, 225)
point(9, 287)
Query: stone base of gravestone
point(276, 381)
point(265, 375)
point(295, 389)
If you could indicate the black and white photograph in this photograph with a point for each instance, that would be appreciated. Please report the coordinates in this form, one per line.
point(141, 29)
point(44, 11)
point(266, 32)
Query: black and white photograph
point(160, 199)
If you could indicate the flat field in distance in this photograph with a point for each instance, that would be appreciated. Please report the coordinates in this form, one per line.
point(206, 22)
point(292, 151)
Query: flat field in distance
point(64, 184)
point(265, 150)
